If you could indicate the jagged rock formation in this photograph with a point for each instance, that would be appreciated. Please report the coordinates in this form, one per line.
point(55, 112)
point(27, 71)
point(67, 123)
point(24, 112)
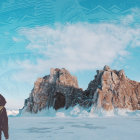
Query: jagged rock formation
point(112, 89)
point(109, 90)
point(57, 90)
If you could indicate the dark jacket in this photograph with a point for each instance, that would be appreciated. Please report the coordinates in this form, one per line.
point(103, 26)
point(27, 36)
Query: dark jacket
point(3, 118)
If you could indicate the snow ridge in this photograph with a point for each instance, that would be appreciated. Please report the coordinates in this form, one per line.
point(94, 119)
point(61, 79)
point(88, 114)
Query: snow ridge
point(81, 112)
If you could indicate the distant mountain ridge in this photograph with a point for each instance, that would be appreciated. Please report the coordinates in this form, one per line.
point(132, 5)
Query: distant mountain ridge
point(12, 112)
point(110, 89)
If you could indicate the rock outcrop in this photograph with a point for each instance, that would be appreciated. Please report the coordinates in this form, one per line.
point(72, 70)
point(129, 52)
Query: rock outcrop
point(109, 90)
point(59, 89)
point(112, 89)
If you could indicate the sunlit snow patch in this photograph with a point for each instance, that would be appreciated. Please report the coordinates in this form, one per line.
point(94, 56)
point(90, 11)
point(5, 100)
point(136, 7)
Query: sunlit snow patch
point(12, 112)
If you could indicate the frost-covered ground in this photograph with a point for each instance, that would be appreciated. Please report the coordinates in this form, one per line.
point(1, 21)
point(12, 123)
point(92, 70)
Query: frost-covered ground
point(48, 128)
point(76, 124)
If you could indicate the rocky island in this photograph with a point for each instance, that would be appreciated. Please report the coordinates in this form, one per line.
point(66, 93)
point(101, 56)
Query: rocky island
point(110, 89)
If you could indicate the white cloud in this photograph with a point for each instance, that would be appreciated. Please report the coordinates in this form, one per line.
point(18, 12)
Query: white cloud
point(76, 47)
point(131, 17)
point(16, 39)
point(128, 19)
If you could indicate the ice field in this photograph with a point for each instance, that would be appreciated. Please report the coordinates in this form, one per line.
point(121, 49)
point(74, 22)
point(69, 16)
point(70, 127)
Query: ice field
point(44, 128)
point(76, 124)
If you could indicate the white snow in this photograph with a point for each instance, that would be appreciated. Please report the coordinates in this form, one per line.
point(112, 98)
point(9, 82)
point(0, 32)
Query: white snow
point(74, 128)
point(78, 111)
point(76, 124)
point(12, 112)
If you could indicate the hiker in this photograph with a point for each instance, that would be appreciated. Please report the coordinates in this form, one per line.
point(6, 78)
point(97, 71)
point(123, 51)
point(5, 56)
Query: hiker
point(3, 118)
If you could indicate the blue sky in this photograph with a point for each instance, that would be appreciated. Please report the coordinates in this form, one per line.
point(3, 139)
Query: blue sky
point(80, 35)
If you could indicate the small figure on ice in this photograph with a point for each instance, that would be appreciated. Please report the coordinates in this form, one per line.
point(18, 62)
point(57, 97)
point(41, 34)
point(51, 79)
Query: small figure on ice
point(3, 118)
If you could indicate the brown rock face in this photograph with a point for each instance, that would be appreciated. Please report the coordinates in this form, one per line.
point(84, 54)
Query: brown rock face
point(112, 89)
point(57, 90)
point(109, 90)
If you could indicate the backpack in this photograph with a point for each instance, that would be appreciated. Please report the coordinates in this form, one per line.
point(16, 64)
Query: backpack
point(1, 108)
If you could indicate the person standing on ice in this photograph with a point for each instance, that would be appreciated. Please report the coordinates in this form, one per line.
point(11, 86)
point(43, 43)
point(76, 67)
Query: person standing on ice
point(3, 118)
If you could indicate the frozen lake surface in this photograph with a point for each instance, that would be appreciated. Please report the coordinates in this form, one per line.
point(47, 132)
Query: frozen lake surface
point(72, 128)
